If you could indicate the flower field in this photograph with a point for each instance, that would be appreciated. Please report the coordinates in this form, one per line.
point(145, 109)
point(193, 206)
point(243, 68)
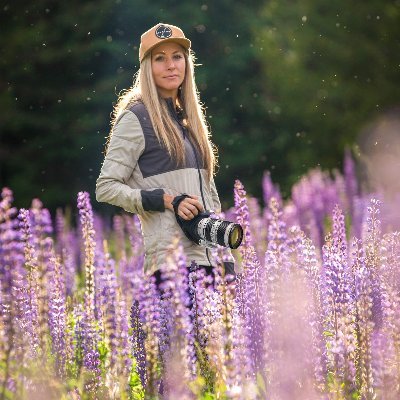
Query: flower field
point(314, 311)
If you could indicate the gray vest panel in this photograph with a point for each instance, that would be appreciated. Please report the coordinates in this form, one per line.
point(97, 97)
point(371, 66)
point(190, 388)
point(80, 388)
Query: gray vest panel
point(155, 158)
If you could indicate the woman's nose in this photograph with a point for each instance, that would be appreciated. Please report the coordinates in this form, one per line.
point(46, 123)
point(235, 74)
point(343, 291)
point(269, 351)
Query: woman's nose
point(170, 63)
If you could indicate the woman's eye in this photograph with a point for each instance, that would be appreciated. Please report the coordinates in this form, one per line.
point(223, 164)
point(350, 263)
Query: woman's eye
point(178, 56)
point(159, 58)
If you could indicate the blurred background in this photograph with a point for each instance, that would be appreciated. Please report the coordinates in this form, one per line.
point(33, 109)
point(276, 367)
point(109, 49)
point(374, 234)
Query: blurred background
point(288, 85)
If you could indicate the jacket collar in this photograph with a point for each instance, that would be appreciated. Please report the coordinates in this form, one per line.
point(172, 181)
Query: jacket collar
point(176, 112)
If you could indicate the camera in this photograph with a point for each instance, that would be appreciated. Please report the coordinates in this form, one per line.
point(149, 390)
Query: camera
point(209, 231)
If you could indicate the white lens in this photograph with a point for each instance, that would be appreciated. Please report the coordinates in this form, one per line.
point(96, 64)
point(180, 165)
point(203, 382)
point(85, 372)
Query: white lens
point(214, 230)
point(201, 228)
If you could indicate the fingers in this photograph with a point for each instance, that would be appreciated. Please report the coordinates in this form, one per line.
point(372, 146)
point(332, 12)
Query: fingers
point(189, 208)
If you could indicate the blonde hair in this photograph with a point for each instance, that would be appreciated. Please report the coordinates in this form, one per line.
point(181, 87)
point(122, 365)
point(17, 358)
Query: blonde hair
point(168, 133)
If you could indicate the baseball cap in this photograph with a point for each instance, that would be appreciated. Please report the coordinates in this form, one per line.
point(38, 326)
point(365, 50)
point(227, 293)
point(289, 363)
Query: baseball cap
point(161, 33)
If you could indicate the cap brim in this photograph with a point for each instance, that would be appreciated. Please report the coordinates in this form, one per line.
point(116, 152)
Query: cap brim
point(185, 43)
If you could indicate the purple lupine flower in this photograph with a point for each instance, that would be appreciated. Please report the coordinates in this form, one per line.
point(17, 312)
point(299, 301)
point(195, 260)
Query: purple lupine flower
point(11, 262)
point(240, 381)
point(41, 219)
point(31, 265)
point(250, 286)
point(138, 335)
point(253, 279)
point(60, 229)
point(100, 280)
point(100, 265)
point(309, 202)
point(338, 189)
point(305, 256)
point(365, 323)
point(87, 345)
point(212, 357)
point(372, 239)
point(137, 338)
point(86, 220)
point(123, 334)
point(69, 260)
point(118, 228)
point(133, 229)
point(258, 227)
point(315, 196)
point(180, 356)
point(23, 329)
point(289, 214)
point(198, 281)
point(107, 302)
point(11, 243)
point(232, 374)
point(350, 181)
point(242, 215)
point(358, 215)
point(130, 267)
point(270, 190)
point(255, 311)
point(383, 359)
point(339, 304)
point(384, 342)
point(176, 286)
point(276, 269)
point(65, 245)
point(57, 315)
point(348, 306)
point(150, 311)
point(41, 226)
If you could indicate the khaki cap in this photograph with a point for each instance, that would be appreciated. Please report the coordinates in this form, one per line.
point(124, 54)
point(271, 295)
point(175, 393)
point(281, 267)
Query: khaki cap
point(161, 33)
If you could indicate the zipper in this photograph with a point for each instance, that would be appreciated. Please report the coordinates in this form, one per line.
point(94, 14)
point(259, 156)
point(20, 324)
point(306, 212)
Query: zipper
point(201, 189)
point(172, 108)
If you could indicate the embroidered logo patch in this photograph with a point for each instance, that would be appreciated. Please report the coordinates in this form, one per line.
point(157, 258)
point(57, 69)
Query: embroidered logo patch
point(163, 32)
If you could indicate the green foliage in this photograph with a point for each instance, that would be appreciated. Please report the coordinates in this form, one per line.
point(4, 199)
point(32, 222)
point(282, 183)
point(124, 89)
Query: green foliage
point(103, 350)
point(261, 385)
point(330, 67)
point(206, 382)
point(286, 84)
point(136, 391)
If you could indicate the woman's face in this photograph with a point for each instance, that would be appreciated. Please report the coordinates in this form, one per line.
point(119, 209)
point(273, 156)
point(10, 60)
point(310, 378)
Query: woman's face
point(168, 66)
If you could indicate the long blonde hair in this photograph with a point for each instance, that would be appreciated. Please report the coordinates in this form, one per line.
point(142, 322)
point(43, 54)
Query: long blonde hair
point(167, 131)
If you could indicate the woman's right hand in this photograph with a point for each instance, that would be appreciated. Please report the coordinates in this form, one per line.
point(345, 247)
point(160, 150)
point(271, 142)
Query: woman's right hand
point(188, 208)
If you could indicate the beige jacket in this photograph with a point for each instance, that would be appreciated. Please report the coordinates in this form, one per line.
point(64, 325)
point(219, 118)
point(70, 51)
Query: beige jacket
point(135, 174)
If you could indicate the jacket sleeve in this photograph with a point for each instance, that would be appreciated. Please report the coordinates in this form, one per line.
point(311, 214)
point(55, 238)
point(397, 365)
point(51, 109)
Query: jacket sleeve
point(215, 198)
point(125, 147)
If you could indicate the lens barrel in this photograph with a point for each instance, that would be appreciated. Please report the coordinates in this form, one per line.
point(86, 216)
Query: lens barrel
point(207, 231)
point(224, 233)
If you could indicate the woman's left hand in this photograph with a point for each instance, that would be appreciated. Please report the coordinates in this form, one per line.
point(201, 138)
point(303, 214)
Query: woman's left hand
point(189, 207)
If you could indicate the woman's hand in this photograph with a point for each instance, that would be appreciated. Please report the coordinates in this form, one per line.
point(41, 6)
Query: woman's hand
point(188, 208)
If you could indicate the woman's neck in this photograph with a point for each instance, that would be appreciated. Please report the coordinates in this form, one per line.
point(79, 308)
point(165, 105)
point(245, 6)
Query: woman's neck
point(173, 99)
point(170, 94)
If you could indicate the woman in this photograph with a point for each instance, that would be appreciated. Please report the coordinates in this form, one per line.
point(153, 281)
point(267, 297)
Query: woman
point(159, 147)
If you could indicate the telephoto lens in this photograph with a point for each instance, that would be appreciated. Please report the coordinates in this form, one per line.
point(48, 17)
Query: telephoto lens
point(207, 231)
point(210, 232)
point(224, 233)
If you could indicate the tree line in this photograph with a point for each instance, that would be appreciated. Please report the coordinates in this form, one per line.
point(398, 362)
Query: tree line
point(286, 85)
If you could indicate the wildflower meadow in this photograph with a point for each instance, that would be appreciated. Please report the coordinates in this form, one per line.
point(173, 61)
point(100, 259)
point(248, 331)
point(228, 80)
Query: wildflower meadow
point(313, 312)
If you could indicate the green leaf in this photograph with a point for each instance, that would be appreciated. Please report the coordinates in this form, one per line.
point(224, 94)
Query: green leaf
point(261, 383)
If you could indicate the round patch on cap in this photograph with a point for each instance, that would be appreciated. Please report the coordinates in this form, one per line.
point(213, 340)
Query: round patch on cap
point(163, 32)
